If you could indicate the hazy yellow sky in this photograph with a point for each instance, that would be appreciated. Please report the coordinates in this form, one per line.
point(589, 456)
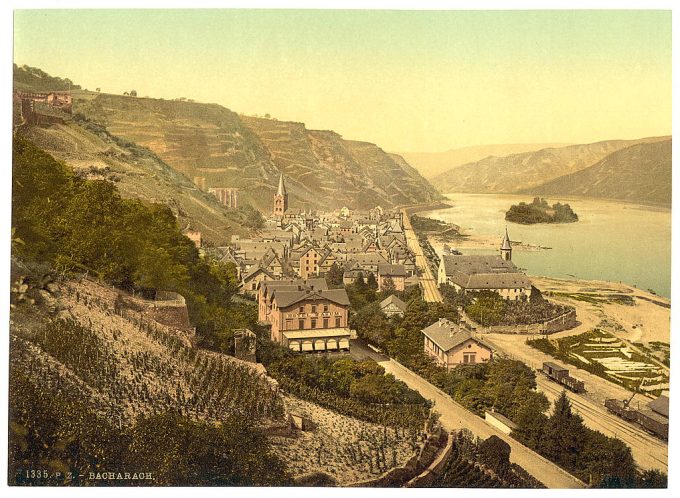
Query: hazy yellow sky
point(406, 80)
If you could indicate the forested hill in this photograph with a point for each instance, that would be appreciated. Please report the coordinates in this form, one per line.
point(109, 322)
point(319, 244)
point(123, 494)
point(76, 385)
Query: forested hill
point(523, 172)
point(640, 173)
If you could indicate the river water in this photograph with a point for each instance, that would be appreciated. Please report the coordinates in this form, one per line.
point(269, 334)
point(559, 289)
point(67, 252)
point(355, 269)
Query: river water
point(614, 241)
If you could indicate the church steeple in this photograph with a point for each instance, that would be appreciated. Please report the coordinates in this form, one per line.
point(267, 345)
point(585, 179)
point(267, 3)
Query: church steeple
point(506, 247)
point(281, 198)
point(282, 186)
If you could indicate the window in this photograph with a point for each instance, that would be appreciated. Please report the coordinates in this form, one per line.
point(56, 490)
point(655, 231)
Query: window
point(301, 324)
point(302, 309)
point(289, 324)
point(469, 357)
point(313, 308)
point(337, 321)
point(325, 307)
point(325, 323)
point(313, 323)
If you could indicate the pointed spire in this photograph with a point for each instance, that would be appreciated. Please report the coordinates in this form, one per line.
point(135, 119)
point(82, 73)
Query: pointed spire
point(282, 186)
point(505, 245)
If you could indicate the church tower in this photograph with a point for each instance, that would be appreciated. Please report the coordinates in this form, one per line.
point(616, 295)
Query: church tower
point(281, 199)
point(506, 248)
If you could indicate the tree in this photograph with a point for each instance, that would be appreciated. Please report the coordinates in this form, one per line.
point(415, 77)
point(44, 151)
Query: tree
point(334, 276)
point(388, 285)
point(563, 436)
point(495, 454)
point(371, 282)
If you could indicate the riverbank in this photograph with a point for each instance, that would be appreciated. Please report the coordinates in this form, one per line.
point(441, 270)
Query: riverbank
point(476, 242)
point(632, 314)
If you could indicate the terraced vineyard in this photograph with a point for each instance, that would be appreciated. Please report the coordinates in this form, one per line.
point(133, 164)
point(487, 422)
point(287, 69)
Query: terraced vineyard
point(464, 470)
point(129, 366)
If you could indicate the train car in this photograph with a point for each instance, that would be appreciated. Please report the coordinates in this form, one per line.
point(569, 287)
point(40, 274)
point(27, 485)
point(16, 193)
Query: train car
point(653, 422)
point(561, 376)
point(619, 408)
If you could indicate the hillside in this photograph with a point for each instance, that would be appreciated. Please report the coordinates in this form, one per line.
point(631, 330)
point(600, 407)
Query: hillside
point(431, 164)
point(522, 172)
point(210, 141)
point(640, 173)
point(138, 174)
point(34, 79)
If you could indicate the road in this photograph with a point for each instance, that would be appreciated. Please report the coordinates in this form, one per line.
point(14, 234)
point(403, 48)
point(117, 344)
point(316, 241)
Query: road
point(431, 292)
point(649, 452)
point(454, 417)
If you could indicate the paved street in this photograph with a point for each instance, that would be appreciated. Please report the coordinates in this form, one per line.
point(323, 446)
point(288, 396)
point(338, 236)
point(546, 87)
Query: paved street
point(454, 416)
point(431, 292)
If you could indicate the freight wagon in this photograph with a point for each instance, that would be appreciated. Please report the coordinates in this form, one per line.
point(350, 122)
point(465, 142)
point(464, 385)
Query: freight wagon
point(651, 421)
point(561, 376)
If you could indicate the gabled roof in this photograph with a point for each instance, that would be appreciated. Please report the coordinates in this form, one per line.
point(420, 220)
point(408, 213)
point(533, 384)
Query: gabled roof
point(392, 299)
point(392, 270)
point(285, 298)
point(477, 264)
point(254, 271)
point(447, 335)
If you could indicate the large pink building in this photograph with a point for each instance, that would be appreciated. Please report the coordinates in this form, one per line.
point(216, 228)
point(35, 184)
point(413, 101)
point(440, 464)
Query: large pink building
point(305, 315)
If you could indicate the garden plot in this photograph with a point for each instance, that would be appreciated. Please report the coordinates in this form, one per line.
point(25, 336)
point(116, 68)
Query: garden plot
point(606, 355)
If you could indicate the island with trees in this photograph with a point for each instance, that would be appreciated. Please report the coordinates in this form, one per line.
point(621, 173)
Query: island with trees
point(539, 211)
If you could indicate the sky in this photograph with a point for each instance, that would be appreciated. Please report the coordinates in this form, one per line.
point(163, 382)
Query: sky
point(406, 80)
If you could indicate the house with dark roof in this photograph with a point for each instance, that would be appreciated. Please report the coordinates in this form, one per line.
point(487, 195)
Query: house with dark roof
point(493, 273)
point(304, 315)
point(477, 273)
point(253, 277)
point(394, 274)
point(392, 306)
point(451, 345)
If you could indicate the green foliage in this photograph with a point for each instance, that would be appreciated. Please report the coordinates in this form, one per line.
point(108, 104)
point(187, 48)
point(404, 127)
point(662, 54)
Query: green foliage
point(188, 453)
point(356, 388)
point(81, 226)
point(60, 433)
point(334, 276)
point(489, 309)
point(32, 78)
point(540, 212)
point(588, 454)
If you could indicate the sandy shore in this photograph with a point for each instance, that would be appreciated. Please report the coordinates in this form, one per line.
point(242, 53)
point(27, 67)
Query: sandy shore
point(646, 321)
point(479, 242)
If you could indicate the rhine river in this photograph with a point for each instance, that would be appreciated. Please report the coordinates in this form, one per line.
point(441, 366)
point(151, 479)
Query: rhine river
point(612, 241)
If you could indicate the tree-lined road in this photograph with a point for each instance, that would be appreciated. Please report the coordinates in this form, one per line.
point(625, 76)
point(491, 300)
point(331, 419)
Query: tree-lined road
point(431, 292)
point(455, 417)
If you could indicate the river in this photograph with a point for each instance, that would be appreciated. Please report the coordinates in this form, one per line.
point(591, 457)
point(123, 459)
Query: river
point(614, 241)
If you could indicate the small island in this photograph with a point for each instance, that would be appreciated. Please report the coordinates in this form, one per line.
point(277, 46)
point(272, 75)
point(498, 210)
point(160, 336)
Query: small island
point(540, 212)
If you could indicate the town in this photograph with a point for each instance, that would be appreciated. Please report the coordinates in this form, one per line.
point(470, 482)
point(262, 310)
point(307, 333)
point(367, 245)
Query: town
point(298, 248)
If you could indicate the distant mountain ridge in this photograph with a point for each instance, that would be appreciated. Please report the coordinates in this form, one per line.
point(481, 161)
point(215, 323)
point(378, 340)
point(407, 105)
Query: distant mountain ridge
point(639, 173)
point(523, 172)
point(431, 164)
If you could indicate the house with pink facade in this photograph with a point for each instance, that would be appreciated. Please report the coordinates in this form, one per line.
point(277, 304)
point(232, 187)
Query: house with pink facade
point(451, 345)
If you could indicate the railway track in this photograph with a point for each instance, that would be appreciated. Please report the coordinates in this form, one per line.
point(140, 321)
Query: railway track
point(649, 452)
